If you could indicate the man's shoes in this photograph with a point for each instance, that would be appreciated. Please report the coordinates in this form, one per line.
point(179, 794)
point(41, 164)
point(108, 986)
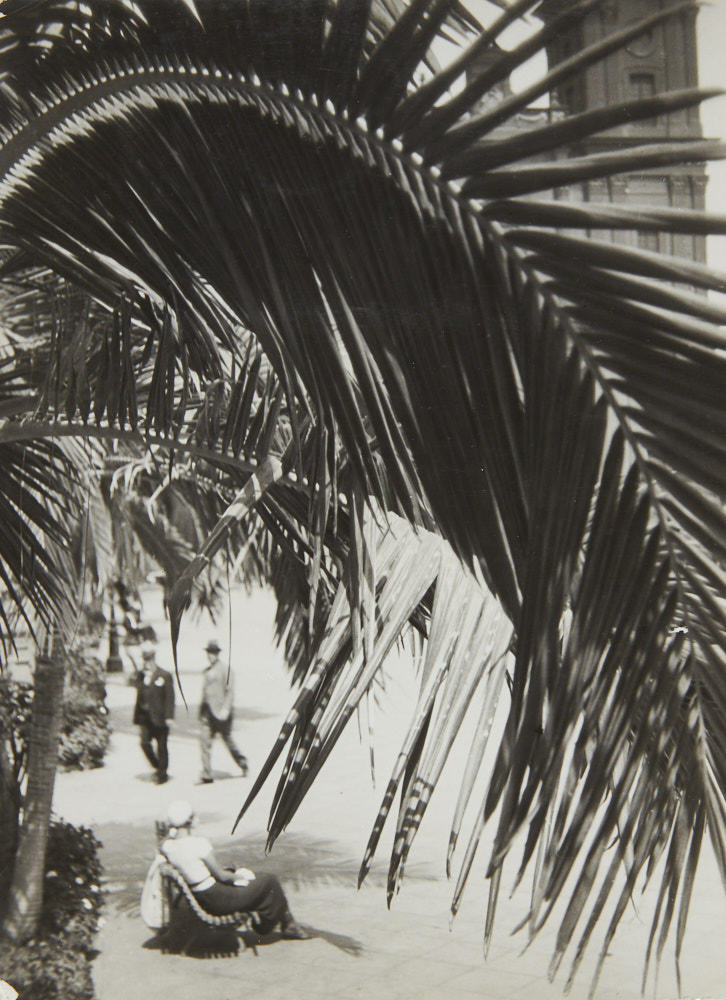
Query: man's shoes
point(161, 779)
point(294, 932)
point(207, 781)
point(242, 762)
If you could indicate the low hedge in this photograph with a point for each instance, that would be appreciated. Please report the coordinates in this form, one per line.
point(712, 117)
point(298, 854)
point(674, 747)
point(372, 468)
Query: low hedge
point(56, 964)
point(85, 734)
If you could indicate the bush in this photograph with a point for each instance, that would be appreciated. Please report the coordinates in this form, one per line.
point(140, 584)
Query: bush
point(72, 896)
point(47, 970)
point(16, 701)
point(15, 706)
point(84, 740)
point(84, 733)
point(56, 964)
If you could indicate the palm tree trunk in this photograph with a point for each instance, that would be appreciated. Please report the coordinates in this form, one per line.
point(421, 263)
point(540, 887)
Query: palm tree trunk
point(25, 897)
point(9, 822)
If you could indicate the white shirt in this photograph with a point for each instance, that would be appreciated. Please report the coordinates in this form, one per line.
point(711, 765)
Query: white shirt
point(188, 854)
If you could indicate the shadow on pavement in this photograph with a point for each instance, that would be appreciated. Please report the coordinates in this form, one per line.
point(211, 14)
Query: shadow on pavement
point(351, 946)
point(185, 723)
point(187, 936)
point(190, 938)
point(149, 777)
point(298, 859)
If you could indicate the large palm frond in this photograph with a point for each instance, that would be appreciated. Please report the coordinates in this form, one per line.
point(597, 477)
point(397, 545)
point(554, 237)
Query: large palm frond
point(283, 167)
point(40, 502)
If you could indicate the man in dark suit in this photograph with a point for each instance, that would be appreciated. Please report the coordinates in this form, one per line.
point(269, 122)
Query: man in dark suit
point(154, 707)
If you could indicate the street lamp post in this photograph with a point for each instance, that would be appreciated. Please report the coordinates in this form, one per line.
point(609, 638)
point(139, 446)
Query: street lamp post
point(114, 664)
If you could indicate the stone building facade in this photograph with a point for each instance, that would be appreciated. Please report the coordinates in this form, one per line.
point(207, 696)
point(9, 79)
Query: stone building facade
point(662, 58)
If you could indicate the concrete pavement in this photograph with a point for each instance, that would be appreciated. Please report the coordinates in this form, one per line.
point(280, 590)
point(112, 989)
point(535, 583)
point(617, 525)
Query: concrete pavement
point(359, 948)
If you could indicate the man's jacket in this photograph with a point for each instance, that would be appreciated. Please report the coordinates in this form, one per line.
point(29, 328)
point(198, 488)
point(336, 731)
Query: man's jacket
point(154, 698)
point(217, 692)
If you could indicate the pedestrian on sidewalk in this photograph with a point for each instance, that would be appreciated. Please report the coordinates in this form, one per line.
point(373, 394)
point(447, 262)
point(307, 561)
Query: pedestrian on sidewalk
point(154, 707)
point(216, 711)
point(221, 890)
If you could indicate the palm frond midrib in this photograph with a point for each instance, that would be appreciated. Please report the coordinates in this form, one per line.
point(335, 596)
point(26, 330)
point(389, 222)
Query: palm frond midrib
point(297, 113)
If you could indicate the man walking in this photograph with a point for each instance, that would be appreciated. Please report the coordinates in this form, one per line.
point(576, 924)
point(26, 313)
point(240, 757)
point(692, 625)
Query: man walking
point(154, 707)
point(216, 711)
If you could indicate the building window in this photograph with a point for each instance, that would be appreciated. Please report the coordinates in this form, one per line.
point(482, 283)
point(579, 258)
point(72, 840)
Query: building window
point(570, 94)
point(648, 241)
point(642, 85)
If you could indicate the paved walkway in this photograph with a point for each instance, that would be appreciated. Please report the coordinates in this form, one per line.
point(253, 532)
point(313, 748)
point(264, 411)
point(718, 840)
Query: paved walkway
point(360, 949)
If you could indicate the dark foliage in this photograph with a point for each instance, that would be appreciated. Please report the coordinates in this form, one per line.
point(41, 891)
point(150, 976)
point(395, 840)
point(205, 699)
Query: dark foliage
point(16, 700)
point(56, 964)
point(15, 703)
point(552, 401)
point(85, 732)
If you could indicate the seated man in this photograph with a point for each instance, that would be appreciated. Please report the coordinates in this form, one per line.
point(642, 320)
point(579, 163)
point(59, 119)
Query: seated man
point(222, 890)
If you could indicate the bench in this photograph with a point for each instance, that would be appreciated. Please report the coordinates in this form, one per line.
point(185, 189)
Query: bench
point(176, 893)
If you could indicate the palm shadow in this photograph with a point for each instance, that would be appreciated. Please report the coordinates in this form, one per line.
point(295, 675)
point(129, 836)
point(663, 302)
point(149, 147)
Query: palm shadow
point(299, 860)
point(350, 945)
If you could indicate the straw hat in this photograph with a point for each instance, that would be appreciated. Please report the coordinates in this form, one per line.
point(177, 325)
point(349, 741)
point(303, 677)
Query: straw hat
point(180, 813)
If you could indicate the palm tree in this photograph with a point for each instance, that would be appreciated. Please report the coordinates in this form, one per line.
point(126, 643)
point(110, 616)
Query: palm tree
point(309, 175)
point(26, 890)
point(38, 508)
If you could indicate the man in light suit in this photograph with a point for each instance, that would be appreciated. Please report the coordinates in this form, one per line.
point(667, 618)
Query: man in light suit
point(216, 711)
point(154, 707)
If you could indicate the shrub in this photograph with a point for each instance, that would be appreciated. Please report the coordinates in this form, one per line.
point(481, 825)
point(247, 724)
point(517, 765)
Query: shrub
point(56, 964)
point(72, 896)
point(84, 733)
point(15, 705)
point(47, 970)
point(16, 699)
point(84, 740)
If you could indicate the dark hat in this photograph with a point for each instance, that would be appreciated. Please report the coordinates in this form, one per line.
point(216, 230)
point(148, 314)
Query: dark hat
point(212, 646)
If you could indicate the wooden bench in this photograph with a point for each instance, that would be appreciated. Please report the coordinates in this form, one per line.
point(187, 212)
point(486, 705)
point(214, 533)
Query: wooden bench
point(176, 894)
